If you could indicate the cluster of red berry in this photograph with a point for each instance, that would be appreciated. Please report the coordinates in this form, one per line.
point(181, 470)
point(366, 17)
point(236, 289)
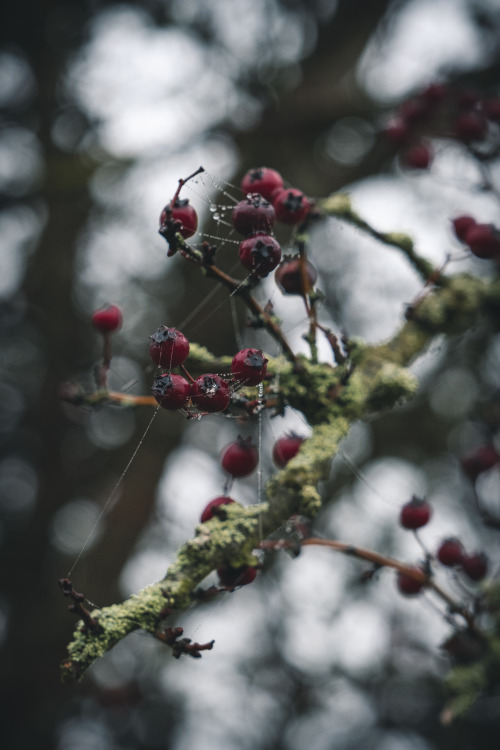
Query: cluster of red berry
point(483, 240)
point(439, 109)
point(415, 514)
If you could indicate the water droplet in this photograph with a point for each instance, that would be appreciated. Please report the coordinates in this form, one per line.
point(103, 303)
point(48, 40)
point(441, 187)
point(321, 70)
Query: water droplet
point(213, 208)
point(217, 216)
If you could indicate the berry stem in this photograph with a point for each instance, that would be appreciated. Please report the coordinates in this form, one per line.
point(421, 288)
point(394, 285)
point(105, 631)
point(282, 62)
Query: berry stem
point(182, 182)
point(183, 369)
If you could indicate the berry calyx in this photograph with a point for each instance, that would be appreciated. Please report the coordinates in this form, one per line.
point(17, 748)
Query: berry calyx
point(253, 214)
point(260, 254)
point(461, 225)
point(171, 391)
point(475, 566)
point(210, 393)
point(409, 586)
point(182, 212)
point(285, 448)
point(415, 513)
point(210, 510)
point(263, 180)
point(483, 241)
point(450, 552)
point(240, 458)
point(169, 348)
point(231, 577)
point(291, 206)
point(481, 459)
point(290, 279)
point(107, 319)
point(249, 366)
point(418, 156)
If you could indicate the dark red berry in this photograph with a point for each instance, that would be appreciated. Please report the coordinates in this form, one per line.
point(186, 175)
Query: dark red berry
point(291, 206)
point(409, 586)
point(491, 108)
point(434, 93)
point(450, 552)
point(249, 366)
point(483, 241)
point(107, 319)
point(171, 391)
point(231, 577)
point(290, 278)
point(285, 448)
point(262, 180)
point(209, 513)
point(465, 647)
point(169, 348)
point(467, 98)
point(210, 393)
point(397, 132)
point(414, 109)
point(418, 156)
point(470, 126)
point(461, 225)
point(240, 458)
point(475, 566)
point(481, 459)
point(253, 214)
point(260, 254)
point(183, 212)
point(415, 513)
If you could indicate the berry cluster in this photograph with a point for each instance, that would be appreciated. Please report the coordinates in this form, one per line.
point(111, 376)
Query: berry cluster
point(483, 240)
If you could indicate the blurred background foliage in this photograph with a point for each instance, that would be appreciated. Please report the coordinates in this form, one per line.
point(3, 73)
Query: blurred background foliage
point(103, 107)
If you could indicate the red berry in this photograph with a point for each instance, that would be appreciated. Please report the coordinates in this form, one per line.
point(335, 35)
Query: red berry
point(450, 552)
point(467, 98)
point(483, 241)
point(183, 212)
point(481, 459)
point(169, 348)
point(491, 108)
point(414, 109)
point(260, 254)
point(415, 513)
point(263, 180)
point(418, 156)
point(249, 366)
point(397, 132)
point(409, 586)
point(291, 206)
point(253, 214)
point(461, 225)
point(289, 276)
point(210, 393)
point(285, 448)
point(470, 126)
point(231, 577)
point(107, 319)
point(208, 513)
point(475, 566)
point(240, 458)
point(171, 391)
point(435, 92)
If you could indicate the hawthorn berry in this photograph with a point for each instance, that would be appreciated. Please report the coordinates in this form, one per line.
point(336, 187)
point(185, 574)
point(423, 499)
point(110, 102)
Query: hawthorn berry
point(409, 586)
point(475, 566)
point(231, 577)
point(209, 511)
point(263, 180)
point(249, 366)
point(434, 93)
point(450, 552)
point(481, 459)
point(260, 254)
point(240, 458)
point(461, 225)
point(285, 448)
point(483, 241)
point(183, 212)
point(291, 206)
point(414, 109)
point(210, 393)
point(171, 391)
point(169, 348)
point(470, 126)
point(253, 214)
point(107, 319)
point(397, 132)
point(418, 156)
point(289, 277)
point(415, 513)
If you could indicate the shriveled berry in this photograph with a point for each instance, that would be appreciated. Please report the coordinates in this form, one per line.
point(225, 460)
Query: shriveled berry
point(450, 552)
point(169, 348)
point(249, 366)
point(409, 586)
point(397, 132)
point(107, 319)
point(483, 241)
point(253, 214)
point(475, 566)
point(210, 510)
point(289, 276)
point(415, 513)
point(291, 206)
point(418, 156)
point(481, 459)
point(171, 391)
point(285, 448)
point(260, 254)
point(240, 458)
point(263, 180)
point(210, 393)
point(183, 212)
point(461, 225)
point(232, 577)
point(470, 126)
